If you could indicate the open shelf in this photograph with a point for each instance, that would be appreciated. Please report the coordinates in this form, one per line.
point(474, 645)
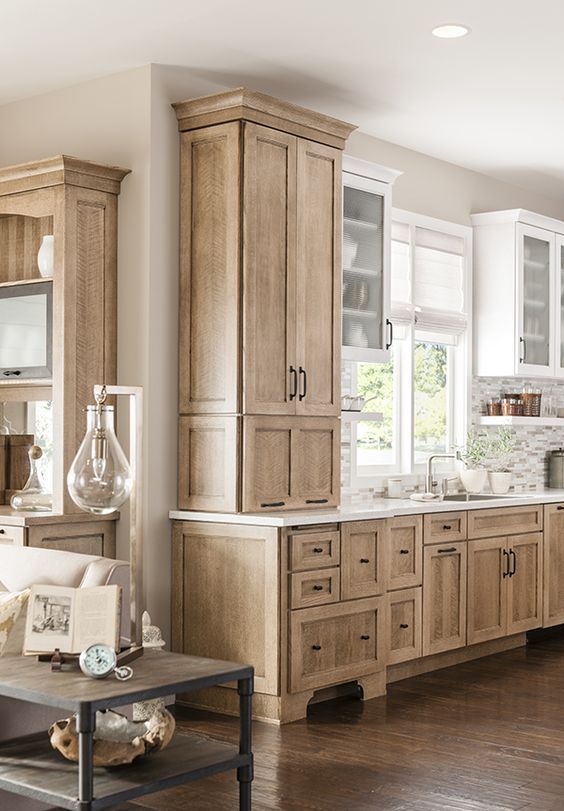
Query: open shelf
point(546, 421)
point(356, 416)
point(351, 311)
point(30, 767)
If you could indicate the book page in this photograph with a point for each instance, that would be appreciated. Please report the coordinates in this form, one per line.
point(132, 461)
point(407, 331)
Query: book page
point(96, 617)
point(49, 622)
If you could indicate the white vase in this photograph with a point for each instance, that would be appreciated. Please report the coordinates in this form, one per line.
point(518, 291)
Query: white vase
point(500, 482)
point(474, 480)
point(45, 256)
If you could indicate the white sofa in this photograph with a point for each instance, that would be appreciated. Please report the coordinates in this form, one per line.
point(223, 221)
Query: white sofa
point(21, 567)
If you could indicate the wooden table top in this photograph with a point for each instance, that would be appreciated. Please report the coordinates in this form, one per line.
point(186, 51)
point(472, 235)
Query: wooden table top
point(156, 673)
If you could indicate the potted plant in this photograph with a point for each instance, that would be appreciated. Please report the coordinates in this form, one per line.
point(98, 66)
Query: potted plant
point(501, 449)
point(474, 455)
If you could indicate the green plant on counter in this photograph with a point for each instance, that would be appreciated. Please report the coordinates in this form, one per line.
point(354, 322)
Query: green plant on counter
point(501, 448)
point(476, 451)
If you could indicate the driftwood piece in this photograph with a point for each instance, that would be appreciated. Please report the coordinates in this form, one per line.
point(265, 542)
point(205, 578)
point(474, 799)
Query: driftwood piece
point(117, 740)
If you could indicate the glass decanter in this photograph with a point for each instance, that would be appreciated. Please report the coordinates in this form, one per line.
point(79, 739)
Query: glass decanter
point(33, 497)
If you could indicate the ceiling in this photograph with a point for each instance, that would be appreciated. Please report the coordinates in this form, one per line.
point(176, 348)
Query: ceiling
point(493, 101)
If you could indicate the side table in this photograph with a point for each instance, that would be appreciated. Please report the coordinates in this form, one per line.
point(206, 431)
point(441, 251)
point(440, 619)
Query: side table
point(29, 766)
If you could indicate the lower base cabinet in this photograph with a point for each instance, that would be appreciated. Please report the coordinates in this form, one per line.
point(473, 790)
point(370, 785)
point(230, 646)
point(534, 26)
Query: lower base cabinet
point(444, 597)
point(553, 613)
point(404, 625)
point(334, 644)
point(63, 533)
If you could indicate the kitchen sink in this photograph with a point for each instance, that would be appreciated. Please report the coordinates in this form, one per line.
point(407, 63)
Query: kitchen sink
point(473, 497)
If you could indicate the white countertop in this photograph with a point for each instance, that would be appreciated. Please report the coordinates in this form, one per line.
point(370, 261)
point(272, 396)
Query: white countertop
point(379, 508)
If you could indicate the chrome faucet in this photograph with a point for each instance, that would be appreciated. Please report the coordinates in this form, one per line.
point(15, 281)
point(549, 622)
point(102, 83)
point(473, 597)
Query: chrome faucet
point(429, 477)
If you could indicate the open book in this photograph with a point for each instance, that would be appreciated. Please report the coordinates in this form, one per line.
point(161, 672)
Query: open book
point(72, 619)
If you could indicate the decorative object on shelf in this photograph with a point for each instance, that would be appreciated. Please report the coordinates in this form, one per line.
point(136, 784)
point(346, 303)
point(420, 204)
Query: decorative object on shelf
point(152, 638)
point(98, 481)
point(117, 740)
point(512, 407)
point(531, 398)
point(33, 497)
point(45, 256)
point(98, 661)
point(356, 335)
point(474, 455)
point(355, 294)
point(350, 248)
point(501, 449)
point(493, 408)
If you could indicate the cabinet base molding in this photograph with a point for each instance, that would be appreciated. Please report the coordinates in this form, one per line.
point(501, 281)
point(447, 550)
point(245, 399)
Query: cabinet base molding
point(372, 686)
point(439, 661)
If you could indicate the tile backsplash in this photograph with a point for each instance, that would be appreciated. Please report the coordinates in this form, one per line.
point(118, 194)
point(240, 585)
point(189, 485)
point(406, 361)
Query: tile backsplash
point(529, 461)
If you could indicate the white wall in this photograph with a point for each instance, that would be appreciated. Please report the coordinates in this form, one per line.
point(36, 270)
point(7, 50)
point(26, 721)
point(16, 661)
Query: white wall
point(126, 119)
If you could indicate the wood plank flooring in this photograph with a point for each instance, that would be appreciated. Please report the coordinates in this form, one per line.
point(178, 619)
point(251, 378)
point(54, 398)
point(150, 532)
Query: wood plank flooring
point(482, 736)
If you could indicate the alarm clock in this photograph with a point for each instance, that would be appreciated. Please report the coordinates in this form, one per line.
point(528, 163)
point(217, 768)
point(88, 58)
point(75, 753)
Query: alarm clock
point(98, 661)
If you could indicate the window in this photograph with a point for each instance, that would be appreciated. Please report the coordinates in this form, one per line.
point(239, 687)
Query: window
point(418, 400)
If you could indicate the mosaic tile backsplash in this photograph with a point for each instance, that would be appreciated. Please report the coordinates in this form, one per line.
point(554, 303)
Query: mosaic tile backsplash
point(529, 462)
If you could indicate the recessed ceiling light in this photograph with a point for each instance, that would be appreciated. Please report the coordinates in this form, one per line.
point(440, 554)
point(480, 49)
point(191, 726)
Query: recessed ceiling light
point(451, 31)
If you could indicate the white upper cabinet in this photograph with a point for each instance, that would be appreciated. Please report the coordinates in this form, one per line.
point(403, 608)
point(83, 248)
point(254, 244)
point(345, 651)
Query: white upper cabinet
point(518, 291)
point(367, 329)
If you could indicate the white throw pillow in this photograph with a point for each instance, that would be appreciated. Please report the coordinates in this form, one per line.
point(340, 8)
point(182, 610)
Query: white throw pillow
point(13, 612)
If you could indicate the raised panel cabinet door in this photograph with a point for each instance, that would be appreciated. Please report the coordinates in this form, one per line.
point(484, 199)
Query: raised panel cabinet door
point(524, 586)
point(331, 644)
point(267, 464)
point(488, 571)
point(363, 558)
point(406, 552)
point(404, 618)
point(318, 308)
point(553, 588)
point(444, 597)
point(210, 249)
point(316, 461)
point(270, 373)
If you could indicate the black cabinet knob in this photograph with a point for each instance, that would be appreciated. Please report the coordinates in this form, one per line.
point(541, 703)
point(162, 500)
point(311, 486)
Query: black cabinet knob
point(318, 587)
point(404, 551)
point(364, 560)
point(316, 647)
point(364, 636)
point(447, 526)
point(2, 531)
point(404, 625)
point(318, 550)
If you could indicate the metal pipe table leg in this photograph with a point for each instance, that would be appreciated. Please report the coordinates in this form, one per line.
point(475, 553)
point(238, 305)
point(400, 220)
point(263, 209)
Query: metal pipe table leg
point(85, 726)
point(245, 773)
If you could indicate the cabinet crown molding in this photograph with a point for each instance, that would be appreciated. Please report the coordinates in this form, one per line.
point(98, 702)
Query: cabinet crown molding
point(518, 215)
point(243, 104)
point(59, 170)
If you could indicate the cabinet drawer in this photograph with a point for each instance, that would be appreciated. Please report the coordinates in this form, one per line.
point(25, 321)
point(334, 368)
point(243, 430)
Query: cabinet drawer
point(334, 644)
point(444, 526)
point(363, 551)
point(314, 588)
point(406, 552)
point(12, 536)
point(504, 521)
point(404, 618)
point(314, 550)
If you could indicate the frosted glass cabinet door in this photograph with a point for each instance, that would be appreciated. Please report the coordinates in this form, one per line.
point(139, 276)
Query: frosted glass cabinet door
point(535, 262)
point(365, 268)
point(559, 309)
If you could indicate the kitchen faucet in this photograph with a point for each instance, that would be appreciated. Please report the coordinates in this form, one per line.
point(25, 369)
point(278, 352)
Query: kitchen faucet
point(430, 459)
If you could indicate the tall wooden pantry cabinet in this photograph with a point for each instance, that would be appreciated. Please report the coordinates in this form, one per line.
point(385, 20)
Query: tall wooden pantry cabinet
point(260, 295)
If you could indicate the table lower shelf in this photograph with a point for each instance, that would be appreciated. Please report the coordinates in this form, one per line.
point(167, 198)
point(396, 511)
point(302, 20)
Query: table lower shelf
point(30, 767)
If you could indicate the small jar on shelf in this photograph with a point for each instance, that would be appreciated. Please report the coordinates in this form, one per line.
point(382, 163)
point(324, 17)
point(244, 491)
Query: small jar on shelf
point(493, 407)
point(510, 407)
point(531, 398)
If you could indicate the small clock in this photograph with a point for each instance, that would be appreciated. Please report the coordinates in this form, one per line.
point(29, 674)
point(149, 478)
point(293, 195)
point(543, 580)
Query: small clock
point(98, 661)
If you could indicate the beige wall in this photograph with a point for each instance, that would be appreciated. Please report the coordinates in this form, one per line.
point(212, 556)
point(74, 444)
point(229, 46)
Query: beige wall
point(126, 119)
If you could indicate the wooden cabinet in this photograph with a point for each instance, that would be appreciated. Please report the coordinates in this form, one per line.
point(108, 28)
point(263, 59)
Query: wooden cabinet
point(444, 597)
point(363, 558)
point(405, 557)
point(314, 549)
point(333, 644)
point(517, 294)
point(553, 610)
point(504, 521)
point(404, 625)
point(444, 527)
point(315, 588)
point(260, 297)
point(504, 586)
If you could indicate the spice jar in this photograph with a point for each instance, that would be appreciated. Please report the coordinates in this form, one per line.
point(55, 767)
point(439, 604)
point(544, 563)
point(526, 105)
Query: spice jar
point(510, 407)
point(493, 408)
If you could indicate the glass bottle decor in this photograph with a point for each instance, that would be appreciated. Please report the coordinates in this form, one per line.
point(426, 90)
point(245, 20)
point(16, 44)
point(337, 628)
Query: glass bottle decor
point(45, 256)
point(33, 497)
point(99, 479)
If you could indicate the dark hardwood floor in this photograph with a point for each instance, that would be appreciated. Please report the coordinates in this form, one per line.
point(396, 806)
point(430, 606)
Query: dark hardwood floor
point(484, 736)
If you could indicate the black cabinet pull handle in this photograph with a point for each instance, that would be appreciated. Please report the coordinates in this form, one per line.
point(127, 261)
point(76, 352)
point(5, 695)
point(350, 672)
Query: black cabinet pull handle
point(404, 625)
point(318, 550)
point(524, 345)
point(303, 376)
point(560, 507)
point(15, 372)
point(294, 389)
point(317, 500)
point(364, 636)
point(506, 559)
point(514, 569)
point(450, 549)
point(273, 504)
point(447, 526)
point(404, 551)
point(364, 560)
point(316, 647)
point(317, 587)
point(391, 326)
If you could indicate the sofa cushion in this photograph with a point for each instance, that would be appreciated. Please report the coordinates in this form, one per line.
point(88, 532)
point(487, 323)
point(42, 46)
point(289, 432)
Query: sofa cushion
point(13, 612)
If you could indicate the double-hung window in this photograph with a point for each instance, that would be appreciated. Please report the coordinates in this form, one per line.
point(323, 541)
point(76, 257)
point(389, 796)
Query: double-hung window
point(422, 393)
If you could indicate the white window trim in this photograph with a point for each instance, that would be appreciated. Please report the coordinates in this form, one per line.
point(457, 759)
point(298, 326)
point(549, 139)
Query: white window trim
point(458, 418)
